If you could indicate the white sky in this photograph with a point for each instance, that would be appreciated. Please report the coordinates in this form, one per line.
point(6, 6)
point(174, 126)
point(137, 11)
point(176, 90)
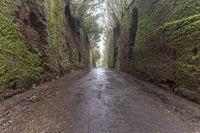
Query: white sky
point(101, 22)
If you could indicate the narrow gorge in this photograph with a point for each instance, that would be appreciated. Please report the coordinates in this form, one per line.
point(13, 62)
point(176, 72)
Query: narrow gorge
point(99, 66)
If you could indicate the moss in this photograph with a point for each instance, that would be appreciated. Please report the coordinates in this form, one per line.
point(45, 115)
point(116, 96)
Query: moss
point(155, 13)
point(56, 52)
point(140, 66)
point(63, 45)
point(17, 63)
point(167, 46)
point(183, 37)
point(126, 19)
point(74, 56)
point(176, 26)
point(56, 39)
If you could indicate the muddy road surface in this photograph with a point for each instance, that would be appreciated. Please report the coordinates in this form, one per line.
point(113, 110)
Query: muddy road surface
point(98, 101)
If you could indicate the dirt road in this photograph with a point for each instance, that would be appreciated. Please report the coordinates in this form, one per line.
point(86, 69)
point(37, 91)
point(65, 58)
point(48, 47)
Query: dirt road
point(98, 101)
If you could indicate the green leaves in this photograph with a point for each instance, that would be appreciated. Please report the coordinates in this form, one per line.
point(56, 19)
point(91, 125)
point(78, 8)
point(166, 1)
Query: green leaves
point(84, 12)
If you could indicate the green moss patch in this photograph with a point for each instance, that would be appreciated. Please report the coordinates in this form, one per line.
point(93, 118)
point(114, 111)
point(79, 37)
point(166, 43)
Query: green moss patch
point(17, 64)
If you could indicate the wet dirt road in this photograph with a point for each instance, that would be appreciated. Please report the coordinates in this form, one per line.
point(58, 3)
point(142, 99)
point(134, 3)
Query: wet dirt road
point(98, 101)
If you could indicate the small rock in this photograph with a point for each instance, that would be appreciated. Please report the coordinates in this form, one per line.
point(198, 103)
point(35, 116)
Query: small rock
point(33, 98)
point(34, 86)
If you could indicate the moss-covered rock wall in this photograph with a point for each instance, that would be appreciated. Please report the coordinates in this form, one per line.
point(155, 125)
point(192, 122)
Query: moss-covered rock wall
point(39, 40)
point(166, 48)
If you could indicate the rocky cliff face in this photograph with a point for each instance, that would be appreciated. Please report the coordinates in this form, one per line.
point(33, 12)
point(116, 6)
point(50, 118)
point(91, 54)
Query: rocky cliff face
point(39, 40)
point(160, 41)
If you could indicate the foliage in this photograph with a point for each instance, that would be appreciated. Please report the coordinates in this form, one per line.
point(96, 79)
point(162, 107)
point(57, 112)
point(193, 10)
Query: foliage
point(83, 11)
point(17, 64)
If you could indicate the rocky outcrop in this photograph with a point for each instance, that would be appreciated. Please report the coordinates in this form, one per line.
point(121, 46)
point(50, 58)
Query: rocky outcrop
point(39, 40)
point(159, 41)
point(33, 26)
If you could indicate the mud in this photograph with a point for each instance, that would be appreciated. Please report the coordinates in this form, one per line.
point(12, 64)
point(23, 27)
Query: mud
point(98, 101)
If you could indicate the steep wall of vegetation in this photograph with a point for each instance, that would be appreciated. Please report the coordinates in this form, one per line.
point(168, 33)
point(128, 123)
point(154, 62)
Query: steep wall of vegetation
point(160, 41)
point(39, 40)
